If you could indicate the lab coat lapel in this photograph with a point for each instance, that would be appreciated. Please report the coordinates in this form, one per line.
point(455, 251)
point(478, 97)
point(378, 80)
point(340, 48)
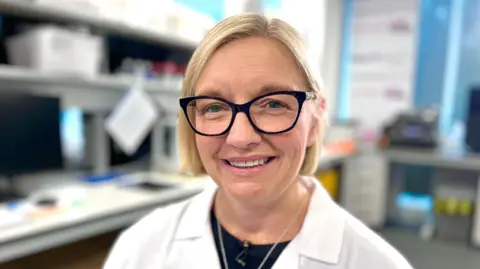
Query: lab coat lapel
point(195, 233)
point(319, 243)
point(194, 253)
point(204, 255)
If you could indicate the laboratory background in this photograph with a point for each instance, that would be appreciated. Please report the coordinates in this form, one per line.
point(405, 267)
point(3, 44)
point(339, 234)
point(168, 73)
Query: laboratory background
point(89, 102)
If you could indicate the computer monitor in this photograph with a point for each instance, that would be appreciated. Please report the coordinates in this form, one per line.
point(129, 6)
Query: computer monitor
point(29, 135)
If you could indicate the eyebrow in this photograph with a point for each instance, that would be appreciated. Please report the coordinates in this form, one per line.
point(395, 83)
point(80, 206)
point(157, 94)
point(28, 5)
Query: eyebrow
point(267, 88)
point(213, 92)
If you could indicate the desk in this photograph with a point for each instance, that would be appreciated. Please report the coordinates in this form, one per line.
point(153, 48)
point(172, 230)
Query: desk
point(438, 160)
point(108, 207)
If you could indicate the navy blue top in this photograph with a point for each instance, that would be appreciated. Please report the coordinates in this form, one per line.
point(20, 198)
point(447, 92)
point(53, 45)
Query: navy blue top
point(252, 255)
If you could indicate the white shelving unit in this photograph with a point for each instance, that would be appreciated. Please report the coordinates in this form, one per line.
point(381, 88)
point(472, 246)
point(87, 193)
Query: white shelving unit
point(94, 95)
point(90, 94)
point(31, 10)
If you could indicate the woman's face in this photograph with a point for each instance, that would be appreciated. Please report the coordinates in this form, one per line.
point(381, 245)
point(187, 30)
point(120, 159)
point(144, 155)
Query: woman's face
point(240, 71)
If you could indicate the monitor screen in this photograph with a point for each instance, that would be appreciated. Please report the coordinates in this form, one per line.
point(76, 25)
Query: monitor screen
point(72, 133)
point(29, 134)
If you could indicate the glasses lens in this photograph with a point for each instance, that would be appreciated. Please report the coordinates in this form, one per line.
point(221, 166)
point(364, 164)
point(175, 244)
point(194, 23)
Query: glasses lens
point(275, 113)
point(209, 116)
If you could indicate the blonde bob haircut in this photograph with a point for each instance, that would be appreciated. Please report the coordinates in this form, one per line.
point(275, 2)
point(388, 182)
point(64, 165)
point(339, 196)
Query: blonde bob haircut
point(234, 28)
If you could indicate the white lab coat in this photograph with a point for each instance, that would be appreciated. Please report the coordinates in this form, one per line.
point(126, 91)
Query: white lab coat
point(180, 237)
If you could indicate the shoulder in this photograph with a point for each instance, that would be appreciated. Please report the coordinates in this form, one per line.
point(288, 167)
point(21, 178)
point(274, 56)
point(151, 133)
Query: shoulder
point(144, 236)
point(363, 246)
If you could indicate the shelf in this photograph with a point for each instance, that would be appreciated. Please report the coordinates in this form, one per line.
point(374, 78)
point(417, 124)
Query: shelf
point(27, 9)
point(432, 158)
point(90, 94)
point(27, 78)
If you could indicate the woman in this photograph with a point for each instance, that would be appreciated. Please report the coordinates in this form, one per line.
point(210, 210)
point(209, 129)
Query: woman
point(253, 119)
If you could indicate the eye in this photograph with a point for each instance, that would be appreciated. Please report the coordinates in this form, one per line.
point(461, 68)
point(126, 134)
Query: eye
point(274, 104)
point(213, 108)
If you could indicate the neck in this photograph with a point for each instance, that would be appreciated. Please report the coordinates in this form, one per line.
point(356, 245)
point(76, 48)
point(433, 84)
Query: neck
point(265, 223)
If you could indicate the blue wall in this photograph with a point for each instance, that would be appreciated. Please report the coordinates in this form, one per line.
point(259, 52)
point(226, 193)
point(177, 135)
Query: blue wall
point(343, 94)
point(214, 8)
point(431, 54)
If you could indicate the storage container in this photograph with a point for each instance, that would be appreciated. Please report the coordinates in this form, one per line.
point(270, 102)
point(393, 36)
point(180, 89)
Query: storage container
point(56, 50)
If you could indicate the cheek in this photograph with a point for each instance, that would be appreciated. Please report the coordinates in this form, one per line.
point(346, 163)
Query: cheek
point(302, 130)
point(201, 144)
point(207, 147)
point(294, 141)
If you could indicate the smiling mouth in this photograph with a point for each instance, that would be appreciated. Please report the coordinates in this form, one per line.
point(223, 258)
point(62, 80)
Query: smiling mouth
point(250, 164)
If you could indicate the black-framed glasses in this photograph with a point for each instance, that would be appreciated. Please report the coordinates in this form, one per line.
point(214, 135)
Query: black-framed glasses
point(271, 113)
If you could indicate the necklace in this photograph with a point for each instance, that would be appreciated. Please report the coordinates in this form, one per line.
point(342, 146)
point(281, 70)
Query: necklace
point(270, 251)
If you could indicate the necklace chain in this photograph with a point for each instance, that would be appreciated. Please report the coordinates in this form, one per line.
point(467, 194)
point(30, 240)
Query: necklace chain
point(270, 251)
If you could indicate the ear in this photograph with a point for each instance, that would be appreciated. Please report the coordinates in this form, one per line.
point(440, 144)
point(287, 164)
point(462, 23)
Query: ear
point(313, 132)
point(316, 122)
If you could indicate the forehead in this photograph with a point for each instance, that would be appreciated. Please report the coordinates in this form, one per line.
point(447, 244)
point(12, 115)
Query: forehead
point(241, 69)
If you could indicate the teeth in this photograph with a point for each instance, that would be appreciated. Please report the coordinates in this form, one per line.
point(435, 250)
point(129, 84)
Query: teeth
point(249, 163)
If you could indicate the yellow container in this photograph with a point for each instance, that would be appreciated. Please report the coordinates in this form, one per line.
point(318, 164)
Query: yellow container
point(329, 179)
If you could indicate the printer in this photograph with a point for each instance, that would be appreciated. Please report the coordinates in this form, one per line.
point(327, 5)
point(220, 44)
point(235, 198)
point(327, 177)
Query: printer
point(416, 128)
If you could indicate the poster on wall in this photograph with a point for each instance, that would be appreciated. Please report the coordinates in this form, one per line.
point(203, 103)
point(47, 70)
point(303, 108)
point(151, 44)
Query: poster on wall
point(382, 61)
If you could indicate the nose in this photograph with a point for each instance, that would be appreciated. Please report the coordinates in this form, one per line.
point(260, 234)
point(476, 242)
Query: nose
point(242, 135)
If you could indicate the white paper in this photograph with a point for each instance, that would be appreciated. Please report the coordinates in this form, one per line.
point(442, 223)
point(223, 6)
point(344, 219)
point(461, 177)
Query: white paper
point(10, 219)
point(383, 61)
point(132, 120)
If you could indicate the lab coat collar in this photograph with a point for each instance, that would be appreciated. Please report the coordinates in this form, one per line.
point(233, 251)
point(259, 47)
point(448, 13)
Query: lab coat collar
point(320, 238)
point(195, 221)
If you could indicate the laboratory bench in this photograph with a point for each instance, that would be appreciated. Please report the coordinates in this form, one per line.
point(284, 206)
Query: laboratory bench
point(93, 209)
point(101, 207)
point(450, 175)
point(437, 158)
point(375, 179)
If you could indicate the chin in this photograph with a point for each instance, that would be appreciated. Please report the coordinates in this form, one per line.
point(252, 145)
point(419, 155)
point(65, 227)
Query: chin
point(243, 189)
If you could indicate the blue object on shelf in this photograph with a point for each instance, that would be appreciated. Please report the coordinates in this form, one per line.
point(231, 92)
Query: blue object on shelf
point(414, 210)
point(11, 205)
point(103, 178)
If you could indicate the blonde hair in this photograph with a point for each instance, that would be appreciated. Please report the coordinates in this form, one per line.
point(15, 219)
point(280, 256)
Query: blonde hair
point(234, 28)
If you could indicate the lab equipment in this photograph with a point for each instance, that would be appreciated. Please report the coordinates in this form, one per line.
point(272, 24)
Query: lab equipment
point(455, 199)
point(472, 139)
point(150, 186)
point(47, 201)
point(30, 137)
point(417, 128)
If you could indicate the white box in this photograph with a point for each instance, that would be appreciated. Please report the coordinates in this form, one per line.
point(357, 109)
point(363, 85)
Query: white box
point(56, 50)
